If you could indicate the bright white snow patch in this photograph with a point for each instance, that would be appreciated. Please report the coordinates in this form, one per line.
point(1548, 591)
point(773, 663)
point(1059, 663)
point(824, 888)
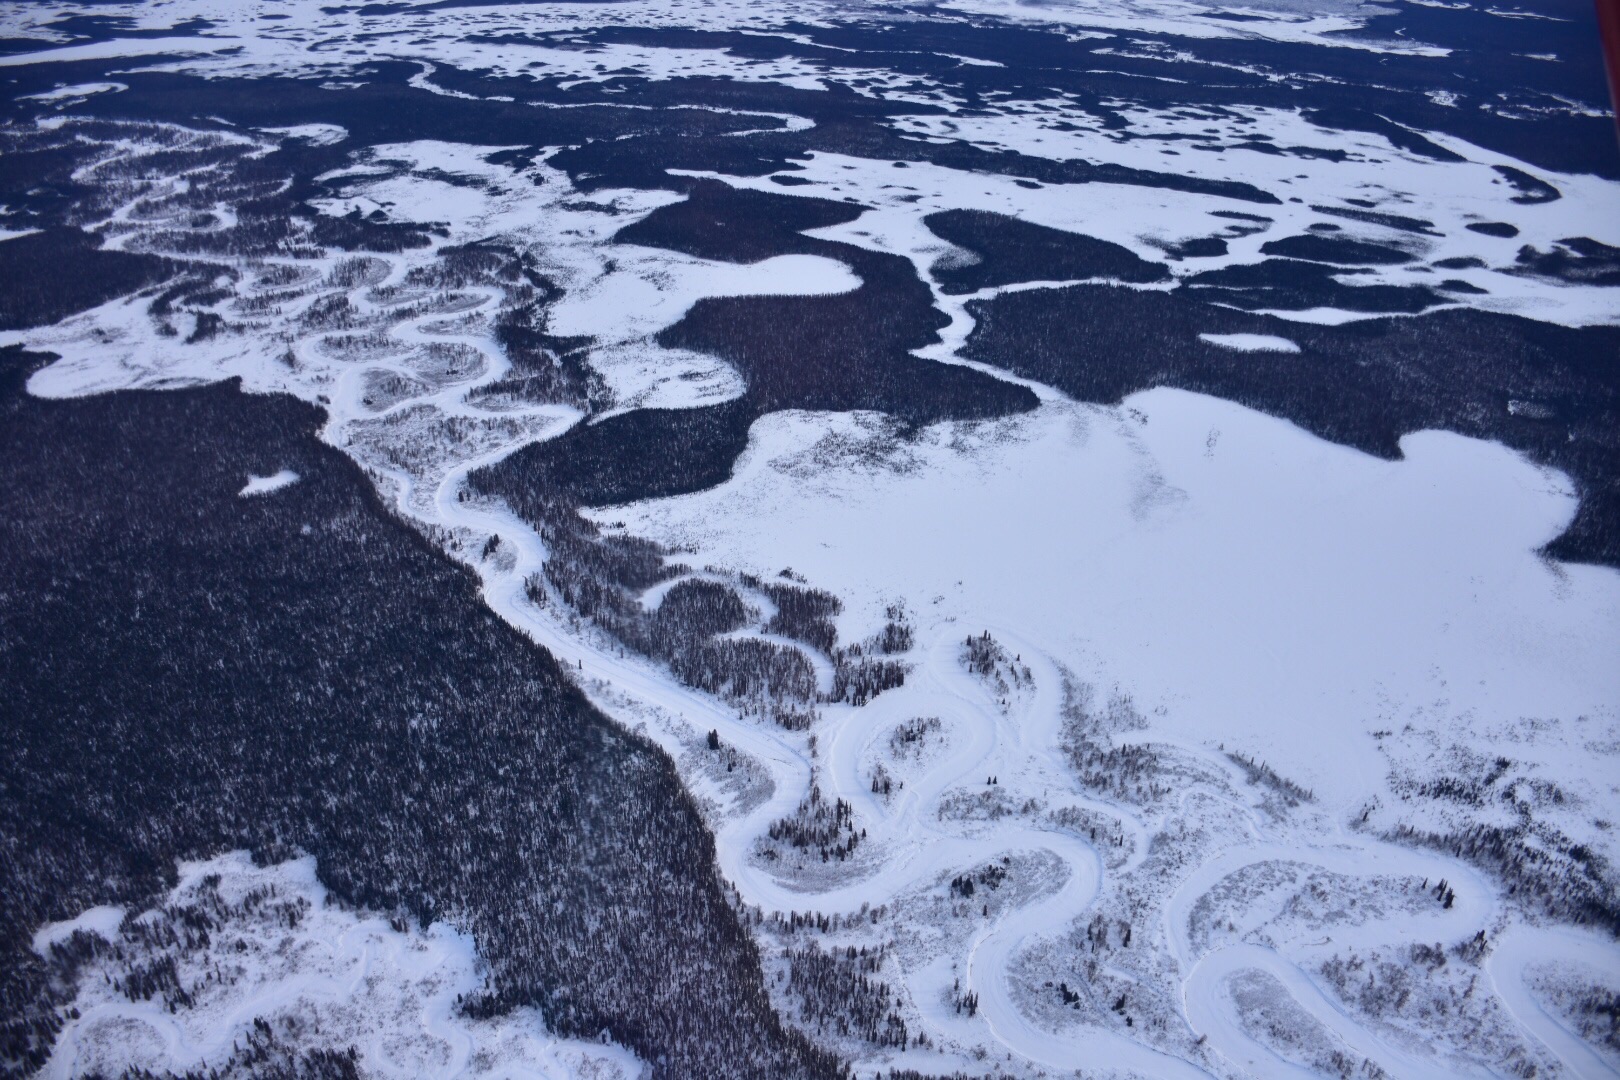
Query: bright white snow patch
point(71, 93)
point(316, 134)
point(97, 920)
point(119, 48)
point(659, 287)
point(263, 485)
point(1251, 342)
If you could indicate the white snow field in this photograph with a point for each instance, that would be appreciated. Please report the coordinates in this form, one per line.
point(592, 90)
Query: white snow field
point(1256, 590)
point(1229, 658)
point(1249, 582)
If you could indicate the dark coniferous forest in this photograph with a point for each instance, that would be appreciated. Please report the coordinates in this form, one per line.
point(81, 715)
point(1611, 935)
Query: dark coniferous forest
point(200, 671)
point(845, 351)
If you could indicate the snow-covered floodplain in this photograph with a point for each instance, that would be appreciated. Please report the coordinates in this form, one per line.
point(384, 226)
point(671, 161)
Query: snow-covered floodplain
point(1264, 597)
point(660, 287)
point(1344, 621)
point(1249, 583)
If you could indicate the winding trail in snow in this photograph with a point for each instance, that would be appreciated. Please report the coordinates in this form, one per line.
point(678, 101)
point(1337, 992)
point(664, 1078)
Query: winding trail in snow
point(1522, 947)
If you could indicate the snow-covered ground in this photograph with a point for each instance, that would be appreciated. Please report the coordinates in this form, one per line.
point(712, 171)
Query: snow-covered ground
point(317, 975)
point(1252, 584)
point(1251, 342)
point(1228, 656)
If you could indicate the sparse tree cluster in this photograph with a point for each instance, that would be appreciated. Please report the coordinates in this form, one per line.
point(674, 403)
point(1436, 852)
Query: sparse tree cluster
point(545, 367)
point(1126, 772)
point(984, 656)
point(803, 614)
point(1262, 775)
point(141, 959)
point(882, 783)
point(1539, 868)
point(1097, 933)
point(858, 677)
point(990, 877)
point(966, 1003)
point(827, 829)
point(261, 1054)
point(839, 993)
point(911, 736)
point(1129, 772)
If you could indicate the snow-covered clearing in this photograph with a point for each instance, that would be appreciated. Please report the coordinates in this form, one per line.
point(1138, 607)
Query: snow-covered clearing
point(263, 485)
point(1251, 342)
point(320, 975)
point(1258, 590)
point(649, 289)
point(1252, 584)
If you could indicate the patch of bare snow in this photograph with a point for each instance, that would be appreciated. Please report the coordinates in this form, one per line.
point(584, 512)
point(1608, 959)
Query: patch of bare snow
point(1251, 342)
point(264, 485)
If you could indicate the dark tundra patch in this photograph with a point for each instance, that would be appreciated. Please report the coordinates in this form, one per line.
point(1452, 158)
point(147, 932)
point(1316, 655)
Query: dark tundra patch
point(1364, 384)
point(720, 222)
point(1373, 217)
point(643, 454)
point(1203, 247)
point(1011, 251)
point(1532, 189)
point(189, 672)
point(1351, 119)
